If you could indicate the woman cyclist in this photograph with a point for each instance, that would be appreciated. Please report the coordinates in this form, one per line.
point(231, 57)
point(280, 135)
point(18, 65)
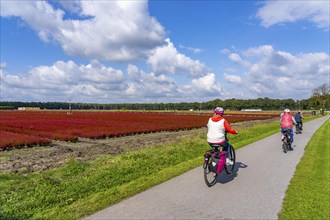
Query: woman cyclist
point(217, 128)
point(286, 121)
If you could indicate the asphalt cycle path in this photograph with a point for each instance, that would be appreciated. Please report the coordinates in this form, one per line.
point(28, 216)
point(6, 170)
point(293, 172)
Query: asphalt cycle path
point(254, 191)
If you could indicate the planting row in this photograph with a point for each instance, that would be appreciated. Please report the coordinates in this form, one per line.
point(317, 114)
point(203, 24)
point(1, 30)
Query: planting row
point(30, 128)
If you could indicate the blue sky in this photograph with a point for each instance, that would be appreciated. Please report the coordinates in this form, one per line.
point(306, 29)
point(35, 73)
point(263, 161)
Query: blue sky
point(162, 51)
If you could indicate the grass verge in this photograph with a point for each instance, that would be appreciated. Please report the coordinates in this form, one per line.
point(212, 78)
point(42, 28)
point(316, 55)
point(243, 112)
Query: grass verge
point(80, 188)
point(307, 196)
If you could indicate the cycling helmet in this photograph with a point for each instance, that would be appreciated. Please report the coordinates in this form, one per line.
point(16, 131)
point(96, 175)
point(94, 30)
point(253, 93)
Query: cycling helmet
point(286, 110)
point(219, 111)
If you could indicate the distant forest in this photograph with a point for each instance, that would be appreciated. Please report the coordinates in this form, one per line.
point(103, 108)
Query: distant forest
point(229, 104)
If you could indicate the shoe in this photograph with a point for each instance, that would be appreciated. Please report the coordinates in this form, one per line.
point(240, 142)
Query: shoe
point(229, 162)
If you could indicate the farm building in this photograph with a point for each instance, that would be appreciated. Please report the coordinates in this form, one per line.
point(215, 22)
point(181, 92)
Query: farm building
point(251, 110)
point(28, 108)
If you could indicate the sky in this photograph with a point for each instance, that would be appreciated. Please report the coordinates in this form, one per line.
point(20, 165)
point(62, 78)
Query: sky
point(156, 51)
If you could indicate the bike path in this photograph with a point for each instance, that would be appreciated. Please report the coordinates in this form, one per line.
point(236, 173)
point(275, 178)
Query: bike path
point(254, 191)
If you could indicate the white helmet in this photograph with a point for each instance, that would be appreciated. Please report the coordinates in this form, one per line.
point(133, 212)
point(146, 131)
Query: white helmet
point(286, 110)
point(219, 111)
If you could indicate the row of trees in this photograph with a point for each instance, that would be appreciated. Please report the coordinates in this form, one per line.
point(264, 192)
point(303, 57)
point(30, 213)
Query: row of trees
point(232, 104)
point(320, 100)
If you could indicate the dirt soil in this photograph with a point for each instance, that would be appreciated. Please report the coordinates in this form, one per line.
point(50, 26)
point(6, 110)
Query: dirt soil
point(37, 159)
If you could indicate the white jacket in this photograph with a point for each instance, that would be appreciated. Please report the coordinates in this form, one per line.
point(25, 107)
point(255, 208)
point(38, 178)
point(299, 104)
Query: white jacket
point(216, 131)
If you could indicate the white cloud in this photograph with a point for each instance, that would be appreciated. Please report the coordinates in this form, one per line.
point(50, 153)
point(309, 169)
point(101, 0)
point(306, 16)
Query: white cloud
point(95, 82)
point(225, 51)
point(149, 85)
point(278, 12)
point(203, 88)
point(264, 50)
point(230, 70)
point(237, 59)
point(280, 74)
point(162, 88)
point(166, 59)
point(72, 5)
point(192, 49)
point(63, 81)
point(234, 79)
point(3, 65)
point(107, 30)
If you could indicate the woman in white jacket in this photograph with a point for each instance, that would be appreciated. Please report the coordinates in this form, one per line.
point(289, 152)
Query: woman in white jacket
point(217, 128)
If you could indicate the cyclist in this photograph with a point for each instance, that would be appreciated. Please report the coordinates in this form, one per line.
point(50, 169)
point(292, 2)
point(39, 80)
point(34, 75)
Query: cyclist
point(217, 127)
point(298, 117)
point(286, 121)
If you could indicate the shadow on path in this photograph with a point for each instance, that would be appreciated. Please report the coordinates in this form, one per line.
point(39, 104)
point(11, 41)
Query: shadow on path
point(225, 178)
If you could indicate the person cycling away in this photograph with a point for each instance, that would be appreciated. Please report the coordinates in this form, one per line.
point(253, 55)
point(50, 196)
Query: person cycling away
point(298, 117)
point(217, 127)
point(286, 121)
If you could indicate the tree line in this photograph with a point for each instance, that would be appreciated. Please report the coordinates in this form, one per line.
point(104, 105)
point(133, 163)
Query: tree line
point(320, 100)
point(229, 104)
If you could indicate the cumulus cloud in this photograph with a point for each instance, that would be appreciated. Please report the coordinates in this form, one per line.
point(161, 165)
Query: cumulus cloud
point(96, 82)
point(236, 58)
point(104, 30)
point(203, 88)
point(63, 81)
point(166, 59)
point(234, 79)
point(264, 50)
point(149, 85)
point(72, 6)
point(276, 73)
point(278, 12)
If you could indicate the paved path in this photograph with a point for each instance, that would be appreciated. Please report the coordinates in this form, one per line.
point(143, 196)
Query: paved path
point(254, 191)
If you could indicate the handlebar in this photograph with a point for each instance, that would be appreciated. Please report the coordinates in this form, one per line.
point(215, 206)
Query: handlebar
point(226, 136)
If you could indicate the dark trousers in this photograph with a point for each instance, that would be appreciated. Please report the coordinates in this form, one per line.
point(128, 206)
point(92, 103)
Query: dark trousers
point(291, 133)
point(225, 146)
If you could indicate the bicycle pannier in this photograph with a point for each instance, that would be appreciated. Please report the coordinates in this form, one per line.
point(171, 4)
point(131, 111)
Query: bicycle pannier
point(214, 163)
point(217, 163)
point(222, 161)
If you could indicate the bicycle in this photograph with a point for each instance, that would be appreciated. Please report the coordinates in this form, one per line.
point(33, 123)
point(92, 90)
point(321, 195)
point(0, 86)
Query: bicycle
point(212, 161)
point(286, 141)
point(298, 128)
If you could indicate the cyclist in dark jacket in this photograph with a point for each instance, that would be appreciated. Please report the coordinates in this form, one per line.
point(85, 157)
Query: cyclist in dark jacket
point(298, 117)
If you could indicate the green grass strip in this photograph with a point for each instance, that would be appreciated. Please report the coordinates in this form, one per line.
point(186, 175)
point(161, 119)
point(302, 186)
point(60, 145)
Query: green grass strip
point(80, 188)
point(308, 195)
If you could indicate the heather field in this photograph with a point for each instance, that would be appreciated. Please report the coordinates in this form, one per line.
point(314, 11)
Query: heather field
point(29, 128)
point(69, 180)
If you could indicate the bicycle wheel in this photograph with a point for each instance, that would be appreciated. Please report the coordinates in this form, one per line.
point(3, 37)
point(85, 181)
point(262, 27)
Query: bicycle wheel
point(209, 176)
point(232, 156)
point(285, 148)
